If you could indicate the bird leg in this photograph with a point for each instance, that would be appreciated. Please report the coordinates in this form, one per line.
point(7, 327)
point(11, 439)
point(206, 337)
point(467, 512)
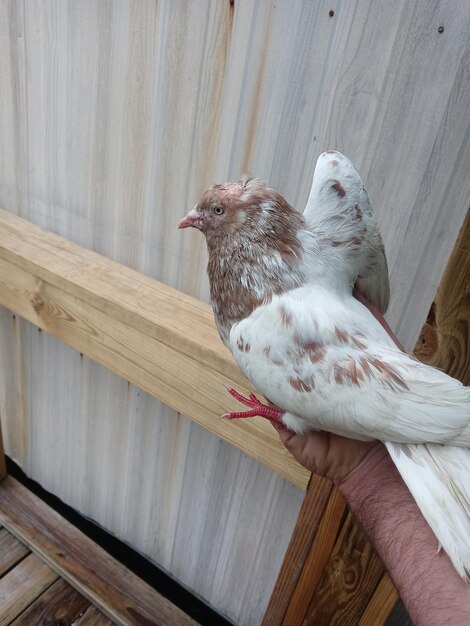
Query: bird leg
point(258, 408)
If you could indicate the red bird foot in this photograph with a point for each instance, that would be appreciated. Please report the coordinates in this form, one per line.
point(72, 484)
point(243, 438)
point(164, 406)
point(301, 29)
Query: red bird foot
point(273, 414)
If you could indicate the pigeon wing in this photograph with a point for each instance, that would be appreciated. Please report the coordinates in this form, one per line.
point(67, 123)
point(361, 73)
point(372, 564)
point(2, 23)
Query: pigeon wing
point(339, 212)
point(331, 366)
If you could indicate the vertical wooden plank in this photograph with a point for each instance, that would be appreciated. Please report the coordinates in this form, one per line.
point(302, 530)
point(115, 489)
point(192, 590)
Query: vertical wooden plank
point(348, 582)
point(445, 338)
point(313, 507)
point(3, 468)
point(317, 559)
point(381, 604)
point(444, 341)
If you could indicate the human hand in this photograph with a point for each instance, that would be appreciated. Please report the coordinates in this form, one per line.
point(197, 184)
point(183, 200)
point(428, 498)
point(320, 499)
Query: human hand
point(324, 453)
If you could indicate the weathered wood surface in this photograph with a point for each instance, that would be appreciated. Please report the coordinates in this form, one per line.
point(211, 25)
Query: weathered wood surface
point(60, 604)
point(215, 531)
point(137, 328)
point(11, 551)
point(312, 511)
point(22, 585)
point(92, 617)
point(120, 594)
point(114, 116)
point(318, 557)
point(32, 594)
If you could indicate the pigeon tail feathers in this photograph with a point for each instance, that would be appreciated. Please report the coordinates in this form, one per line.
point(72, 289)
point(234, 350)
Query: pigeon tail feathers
point(438, 477)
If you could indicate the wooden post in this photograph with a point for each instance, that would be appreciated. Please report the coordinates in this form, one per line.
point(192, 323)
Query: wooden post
point(314, 508)
point(445, 338)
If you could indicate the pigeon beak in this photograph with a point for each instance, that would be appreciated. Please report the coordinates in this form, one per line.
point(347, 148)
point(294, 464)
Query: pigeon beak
point(192, 219)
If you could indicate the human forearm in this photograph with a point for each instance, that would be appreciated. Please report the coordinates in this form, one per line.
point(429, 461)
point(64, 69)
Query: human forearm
point(432, 591)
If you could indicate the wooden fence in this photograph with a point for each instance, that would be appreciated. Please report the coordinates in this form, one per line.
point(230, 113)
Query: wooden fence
point(114, 116)
point(137, 328)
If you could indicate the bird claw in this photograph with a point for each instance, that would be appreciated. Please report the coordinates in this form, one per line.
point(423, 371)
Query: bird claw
point(258, 408)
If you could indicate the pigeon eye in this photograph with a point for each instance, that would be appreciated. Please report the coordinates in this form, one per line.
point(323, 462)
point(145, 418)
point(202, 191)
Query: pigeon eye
point(218, 210)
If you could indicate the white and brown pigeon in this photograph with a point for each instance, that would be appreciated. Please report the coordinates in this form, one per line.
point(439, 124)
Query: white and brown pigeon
point(281, 289)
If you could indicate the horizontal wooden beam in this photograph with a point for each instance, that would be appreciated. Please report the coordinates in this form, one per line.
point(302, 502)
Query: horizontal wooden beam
point(116, 591)
point(146, 332)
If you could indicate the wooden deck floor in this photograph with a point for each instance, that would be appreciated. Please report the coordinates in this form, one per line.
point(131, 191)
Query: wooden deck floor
point(51, 573)
point(32, 593)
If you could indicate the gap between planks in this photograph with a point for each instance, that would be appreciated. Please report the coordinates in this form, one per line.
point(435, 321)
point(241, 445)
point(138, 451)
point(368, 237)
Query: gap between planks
point(61, 604)
point(117, 592)
point(32, 593)
point(22, 585)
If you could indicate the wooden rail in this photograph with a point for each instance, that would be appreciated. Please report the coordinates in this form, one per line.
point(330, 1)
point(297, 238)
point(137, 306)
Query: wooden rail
point(146, 332)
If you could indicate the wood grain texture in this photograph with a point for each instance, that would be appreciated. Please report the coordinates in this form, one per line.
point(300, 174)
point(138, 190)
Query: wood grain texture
point(119, 593)
point(348, 581)
point(381, 604)
point(92, 617)
point(445, 338)
point(294, 564)
point(22, 585)
point(60, 604)
point(114, 117)
point(11, 551)
point(187, 461)
point(135, 327)
point(319, 554)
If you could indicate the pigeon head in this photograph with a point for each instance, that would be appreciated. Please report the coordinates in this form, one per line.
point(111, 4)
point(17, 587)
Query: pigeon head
point(245, 208)
point(252, 237)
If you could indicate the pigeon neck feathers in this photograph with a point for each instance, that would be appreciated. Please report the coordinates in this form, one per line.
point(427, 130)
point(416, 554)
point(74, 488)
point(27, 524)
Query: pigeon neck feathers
point(259, 248)
point(261, 258)
point(245, 274)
